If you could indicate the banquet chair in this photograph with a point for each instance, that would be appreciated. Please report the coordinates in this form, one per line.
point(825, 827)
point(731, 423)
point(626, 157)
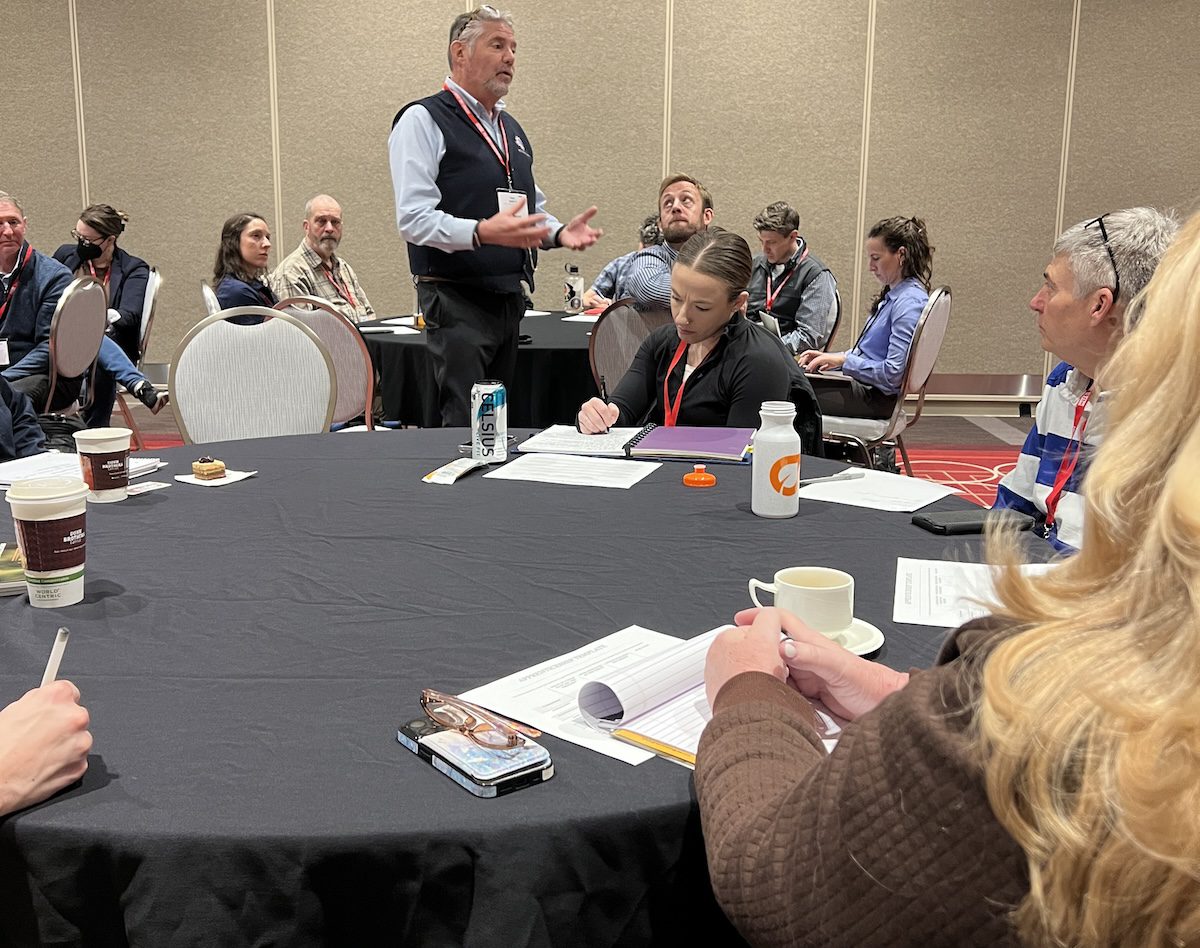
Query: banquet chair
point(863, 434)
point(351, 360)
point(76, 331)
point(211, 303)
point(616, 337)
point(230, 381)
point(149, 305)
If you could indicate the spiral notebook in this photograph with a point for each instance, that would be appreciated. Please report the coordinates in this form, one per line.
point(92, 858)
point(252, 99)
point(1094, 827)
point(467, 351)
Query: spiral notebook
point(651, 442)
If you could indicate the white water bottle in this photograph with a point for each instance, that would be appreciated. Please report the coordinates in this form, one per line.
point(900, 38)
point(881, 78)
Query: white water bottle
point(573, 289)
point(776, 465)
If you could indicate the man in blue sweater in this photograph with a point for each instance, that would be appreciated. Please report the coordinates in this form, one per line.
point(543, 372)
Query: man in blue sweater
point(30, 286)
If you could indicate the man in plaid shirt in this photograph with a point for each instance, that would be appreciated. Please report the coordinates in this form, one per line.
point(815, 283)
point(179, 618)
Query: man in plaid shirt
point(314, 269)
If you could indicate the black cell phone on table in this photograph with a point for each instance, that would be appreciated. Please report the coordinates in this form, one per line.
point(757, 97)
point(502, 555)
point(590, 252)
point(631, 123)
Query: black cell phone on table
point(482, 771)
point(957, 522)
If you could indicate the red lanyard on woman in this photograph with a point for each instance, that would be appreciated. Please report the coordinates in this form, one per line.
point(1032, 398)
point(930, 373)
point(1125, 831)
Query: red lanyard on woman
point(107, 273)
point(484, 134)
point(671, 409)
point(1066, 467)
point(343, 290)
point(772, 297)
point(12, 287)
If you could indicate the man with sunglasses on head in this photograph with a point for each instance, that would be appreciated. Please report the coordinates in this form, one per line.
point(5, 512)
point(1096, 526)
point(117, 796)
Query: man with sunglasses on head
point(30, 287)
point(1097, 268)
point(471, 213)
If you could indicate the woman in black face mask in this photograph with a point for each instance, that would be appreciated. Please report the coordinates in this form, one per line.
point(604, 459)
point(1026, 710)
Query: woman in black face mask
point(95, 253)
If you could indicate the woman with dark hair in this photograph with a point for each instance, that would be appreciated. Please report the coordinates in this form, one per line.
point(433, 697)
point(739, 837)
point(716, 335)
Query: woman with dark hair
point(711, 367)
point(899, 257)
point(95, 254)
point(241, 263)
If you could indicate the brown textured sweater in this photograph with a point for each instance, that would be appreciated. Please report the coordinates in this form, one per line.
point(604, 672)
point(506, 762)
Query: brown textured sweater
point(888, 841)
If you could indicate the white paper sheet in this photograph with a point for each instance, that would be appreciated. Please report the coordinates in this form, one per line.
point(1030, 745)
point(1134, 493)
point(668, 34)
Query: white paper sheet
point(580, 318)
point(64, 464)
point(945, 594)
point(401, 321)
point(537, 312)
point(565, 439)
point(231, 477)
point(392, 330)
point(879, 491)
point(546, 695)
point(574, 470)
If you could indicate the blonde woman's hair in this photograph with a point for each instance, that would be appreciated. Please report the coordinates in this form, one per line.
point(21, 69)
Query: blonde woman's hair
point(1089, 719)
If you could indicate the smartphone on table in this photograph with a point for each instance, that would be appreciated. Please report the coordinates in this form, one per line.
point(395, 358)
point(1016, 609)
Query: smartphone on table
point(483, 771)
point(954, 522)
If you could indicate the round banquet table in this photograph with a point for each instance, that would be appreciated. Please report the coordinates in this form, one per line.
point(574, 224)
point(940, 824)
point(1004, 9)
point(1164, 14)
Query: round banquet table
point(247, 653)
point(553, 376)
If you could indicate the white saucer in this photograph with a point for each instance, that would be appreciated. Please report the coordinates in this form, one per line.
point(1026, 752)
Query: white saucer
point(860, 637)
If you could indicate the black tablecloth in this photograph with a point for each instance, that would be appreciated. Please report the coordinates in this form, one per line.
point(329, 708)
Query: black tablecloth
point(247, 653)
point(553, 375)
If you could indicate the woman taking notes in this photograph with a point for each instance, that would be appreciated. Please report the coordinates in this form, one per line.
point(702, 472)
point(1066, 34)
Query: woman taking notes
point(711, 367)
point(1040, 785)
point(899, 257)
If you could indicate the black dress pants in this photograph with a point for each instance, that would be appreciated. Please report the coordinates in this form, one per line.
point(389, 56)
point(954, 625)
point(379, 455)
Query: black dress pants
point(472, 336)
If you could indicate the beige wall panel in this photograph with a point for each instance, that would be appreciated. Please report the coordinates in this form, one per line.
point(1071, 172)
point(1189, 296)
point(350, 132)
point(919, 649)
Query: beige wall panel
point(178, 134)
point(966, 132)
point(758, 126)
point(344, 71)
point(39, 159)
point(589, 91)
point(1136, 120)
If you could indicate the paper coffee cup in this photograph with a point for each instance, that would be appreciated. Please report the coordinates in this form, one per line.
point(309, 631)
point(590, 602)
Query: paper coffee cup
point(104, 463)
point(50, 515)
point(822, 597)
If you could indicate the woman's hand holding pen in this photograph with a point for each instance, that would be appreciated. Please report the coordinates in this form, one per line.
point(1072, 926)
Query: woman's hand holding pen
point(596, 416)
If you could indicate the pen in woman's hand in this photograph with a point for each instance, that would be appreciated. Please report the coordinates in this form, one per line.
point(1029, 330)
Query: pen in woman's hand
point(603, 391)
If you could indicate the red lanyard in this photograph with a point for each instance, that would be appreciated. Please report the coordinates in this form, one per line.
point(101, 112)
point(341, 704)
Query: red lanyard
point(671, 409)
point(1066, 467)
point(107, 273)
point(343, 290)
point(771, 297)
point(12, 287)
point(484, 134)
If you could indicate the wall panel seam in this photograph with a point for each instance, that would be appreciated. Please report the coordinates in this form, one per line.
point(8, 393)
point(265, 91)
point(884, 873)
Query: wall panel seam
point(77, 79)
point(1065, 155)
point(860, 230)
point(669, 37)
point(273, 77)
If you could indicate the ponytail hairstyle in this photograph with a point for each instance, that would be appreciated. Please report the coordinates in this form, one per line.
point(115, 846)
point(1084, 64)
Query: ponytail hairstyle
point(720, 254)
point(907, 234)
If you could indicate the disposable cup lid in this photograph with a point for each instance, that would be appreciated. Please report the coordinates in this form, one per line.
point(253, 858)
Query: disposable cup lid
point(90, 435)
point(45, 490)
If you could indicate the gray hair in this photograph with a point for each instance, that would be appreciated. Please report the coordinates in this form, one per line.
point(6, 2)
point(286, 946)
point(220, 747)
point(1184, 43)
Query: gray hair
point(468, 27)
point(1137, 237)
point(6, 198)
point(308, 205)
point(649, 233)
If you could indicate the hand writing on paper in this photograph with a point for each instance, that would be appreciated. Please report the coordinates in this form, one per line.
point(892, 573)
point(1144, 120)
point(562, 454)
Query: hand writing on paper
point(512, 227)
point(597, 416)
point(820, 668)
point(745, 649)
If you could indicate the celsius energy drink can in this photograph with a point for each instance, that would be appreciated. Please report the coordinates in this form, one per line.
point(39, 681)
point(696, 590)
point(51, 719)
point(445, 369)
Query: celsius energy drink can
point(489, 422)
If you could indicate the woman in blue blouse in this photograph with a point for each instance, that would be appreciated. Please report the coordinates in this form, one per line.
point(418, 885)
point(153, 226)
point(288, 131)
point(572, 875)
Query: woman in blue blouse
point(899, 257)
point(241, 263)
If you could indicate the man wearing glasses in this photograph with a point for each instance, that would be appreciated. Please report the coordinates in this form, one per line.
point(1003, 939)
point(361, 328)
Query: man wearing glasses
point(30, 286)
point(1097, 267)
point(470, 211)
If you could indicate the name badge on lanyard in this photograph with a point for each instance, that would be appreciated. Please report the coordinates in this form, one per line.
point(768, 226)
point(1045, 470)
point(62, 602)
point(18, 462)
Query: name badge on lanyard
point(506, 198)
point(3, 350)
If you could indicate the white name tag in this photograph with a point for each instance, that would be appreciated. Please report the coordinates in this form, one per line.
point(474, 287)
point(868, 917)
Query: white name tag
point(507, 199)
point(3, 351)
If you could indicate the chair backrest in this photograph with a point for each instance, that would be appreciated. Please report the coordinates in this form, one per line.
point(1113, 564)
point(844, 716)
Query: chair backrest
point(351, 358)
point(76, 331)
point(149, 306)
point(211, 303)
point(834, 319)
point(230, 381)
point(926, 344)
point(616, 337)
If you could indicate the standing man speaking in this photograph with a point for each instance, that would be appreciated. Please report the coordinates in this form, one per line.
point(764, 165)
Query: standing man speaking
point(462, 169)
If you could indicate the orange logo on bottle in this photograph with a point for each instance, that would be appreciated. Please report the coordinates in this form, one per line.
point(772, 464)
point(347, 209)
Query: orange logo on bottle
point(777, 469)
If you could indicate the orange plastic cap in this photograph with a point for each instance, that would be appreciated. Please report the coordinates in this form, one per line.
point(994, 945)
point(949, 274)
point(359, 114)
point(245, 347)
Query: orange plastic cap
point(699, 478)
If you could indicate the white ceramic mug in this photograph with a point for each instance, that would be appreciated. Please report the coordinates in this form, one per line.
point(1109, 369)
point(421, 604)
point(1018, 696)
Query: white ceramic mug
point(822, 597)
point(50, 516)
point(104, 462)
